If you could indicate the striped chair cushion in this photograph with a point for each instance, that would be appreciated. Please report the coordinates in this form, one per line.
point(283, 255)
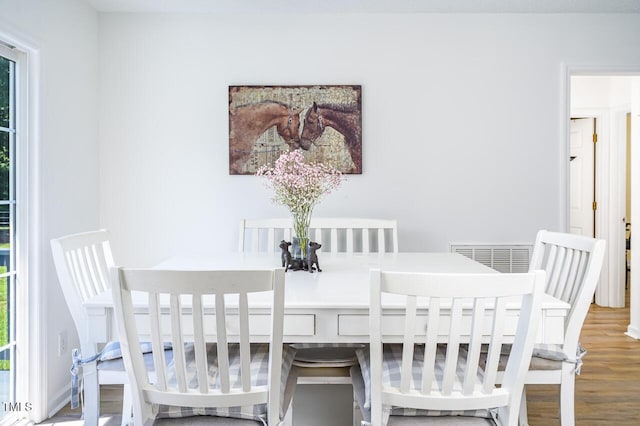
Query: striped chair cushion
point(545, 357)
point(392, 360)
point(259, 375)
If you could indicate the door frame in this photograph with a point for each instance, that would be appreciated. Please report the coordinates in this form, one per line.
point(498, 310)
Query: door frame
point(610, 196)
point(31, 333)
point(608, 223)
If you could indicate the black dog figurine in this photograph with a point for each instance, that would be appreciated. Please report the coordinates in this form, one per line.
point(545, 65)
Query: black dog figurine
point(312, 257)
point(285, 256)
point(298, 265)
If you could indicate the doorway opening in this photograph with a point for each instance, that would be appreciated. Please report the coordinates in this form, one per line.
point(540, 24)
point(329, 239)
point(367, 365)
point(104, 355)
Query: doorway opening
point(608, 106)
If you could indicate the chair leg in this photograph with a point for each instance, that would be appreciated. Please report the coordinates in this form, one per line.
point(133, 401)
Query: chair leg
point(357, 414)
point(288, 416)
point(91, 410)
point(127, 405)
point(523, 419)
point(567, 396)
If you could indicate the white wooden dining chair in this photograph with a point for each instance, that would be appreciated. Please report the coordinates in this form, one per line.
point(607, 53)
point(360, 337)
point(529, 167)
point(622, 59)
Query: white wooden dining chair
point(82, 264)
point(573, 264)
point(213, 369)
point(435, 371)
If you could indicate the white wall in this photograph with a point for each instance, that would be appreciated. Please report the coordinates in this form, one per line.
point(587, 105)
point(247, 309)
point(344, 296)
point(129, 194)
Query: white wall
point(462, 136)
point(461, 123)
point(65, 33)
point(606, 91)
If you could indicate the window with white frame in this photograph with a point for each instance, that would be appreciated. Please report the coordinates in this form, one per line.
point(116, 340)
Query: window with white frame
point(9, 364)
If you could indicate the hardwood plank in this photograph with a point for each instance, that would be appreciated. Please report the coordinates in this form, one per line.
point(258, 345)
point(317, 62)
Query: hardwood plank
point(110, 410)
point(608, 389)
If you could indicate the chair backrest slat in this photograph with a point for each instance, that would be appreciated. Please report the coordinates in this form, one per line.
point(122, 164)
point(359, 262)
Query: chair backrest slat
point(90, 286)
point(453, 343)
point(223, 349)
point(431, 345)
point(334, 240)
point(212, 363)
point(179, 358)
point(458, 307)
point(245, 352)
point(564, 273)
point(349, 240)
point(255, 241)
point(495, 345)
point(345, 235)
point(382, 242)
point(549, 264)
point(103, 262)
point(271, 237)
point(199, 343)
point(75, 269)
point(473, 357)
point(558, 263)
point(89, 270)
point(572, 273)
point(407, 347)
point(155, 325)
point(572, 291)
point(365, 240)
point(99, 267)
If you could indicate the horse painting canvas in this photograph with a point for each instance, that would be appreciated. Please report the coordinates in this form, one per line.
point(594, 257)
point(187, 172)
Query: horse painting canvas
point(323, 121)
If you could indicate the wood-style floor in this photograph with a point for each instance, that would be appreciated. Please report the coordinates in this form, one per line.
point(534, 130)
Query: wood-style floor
point(607, 391)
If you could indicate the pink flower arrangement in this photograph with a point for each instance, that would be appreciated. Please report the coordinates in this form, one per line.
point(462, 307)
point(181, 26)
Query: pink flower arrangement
point(300, 186)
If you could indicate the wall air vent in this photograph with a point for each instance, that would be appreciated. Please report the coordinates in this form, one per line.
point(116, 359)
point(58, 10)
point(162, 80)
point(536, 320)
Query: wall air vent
point(501, 257)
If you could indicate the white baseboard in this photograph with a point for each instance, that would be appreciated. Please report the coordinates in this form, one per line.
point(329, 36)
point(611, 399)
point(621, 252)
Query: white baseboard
point(633, 332)
point(59, 400)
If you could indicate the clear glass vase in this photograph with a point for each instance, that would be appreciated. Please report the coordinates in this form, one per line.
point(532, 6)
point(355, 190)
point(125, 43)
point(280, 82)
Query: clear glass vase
point(300, 240)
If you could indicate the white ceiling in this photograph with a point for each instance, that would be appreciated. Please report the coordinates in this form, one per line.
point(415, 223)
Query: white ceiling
point(369, 6)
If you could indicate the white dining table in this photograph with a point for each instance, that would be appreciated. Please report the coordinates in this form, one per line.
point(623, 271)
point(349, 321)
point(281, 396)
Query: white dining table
point(331, 306)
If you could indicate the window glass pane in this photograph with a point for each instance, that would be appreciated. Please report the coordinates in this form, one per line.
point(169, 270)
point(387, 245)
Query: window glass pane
point(4, 91)
point(5, 379)
point(5, 294)
point(5, 161)
point(7, 224)
point(5, 238)
point(6, 335)
point(8, 139)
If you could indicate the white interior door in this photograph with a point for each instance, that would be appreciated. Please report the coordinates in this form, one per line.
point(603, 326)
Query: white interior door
point(581, 177)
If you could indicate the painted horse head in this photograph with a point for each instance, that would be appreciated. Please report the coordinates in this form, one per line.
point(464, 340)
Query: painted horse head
point(345, 119)
point(288, 127)
point(312, 128)
point(248, 122)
